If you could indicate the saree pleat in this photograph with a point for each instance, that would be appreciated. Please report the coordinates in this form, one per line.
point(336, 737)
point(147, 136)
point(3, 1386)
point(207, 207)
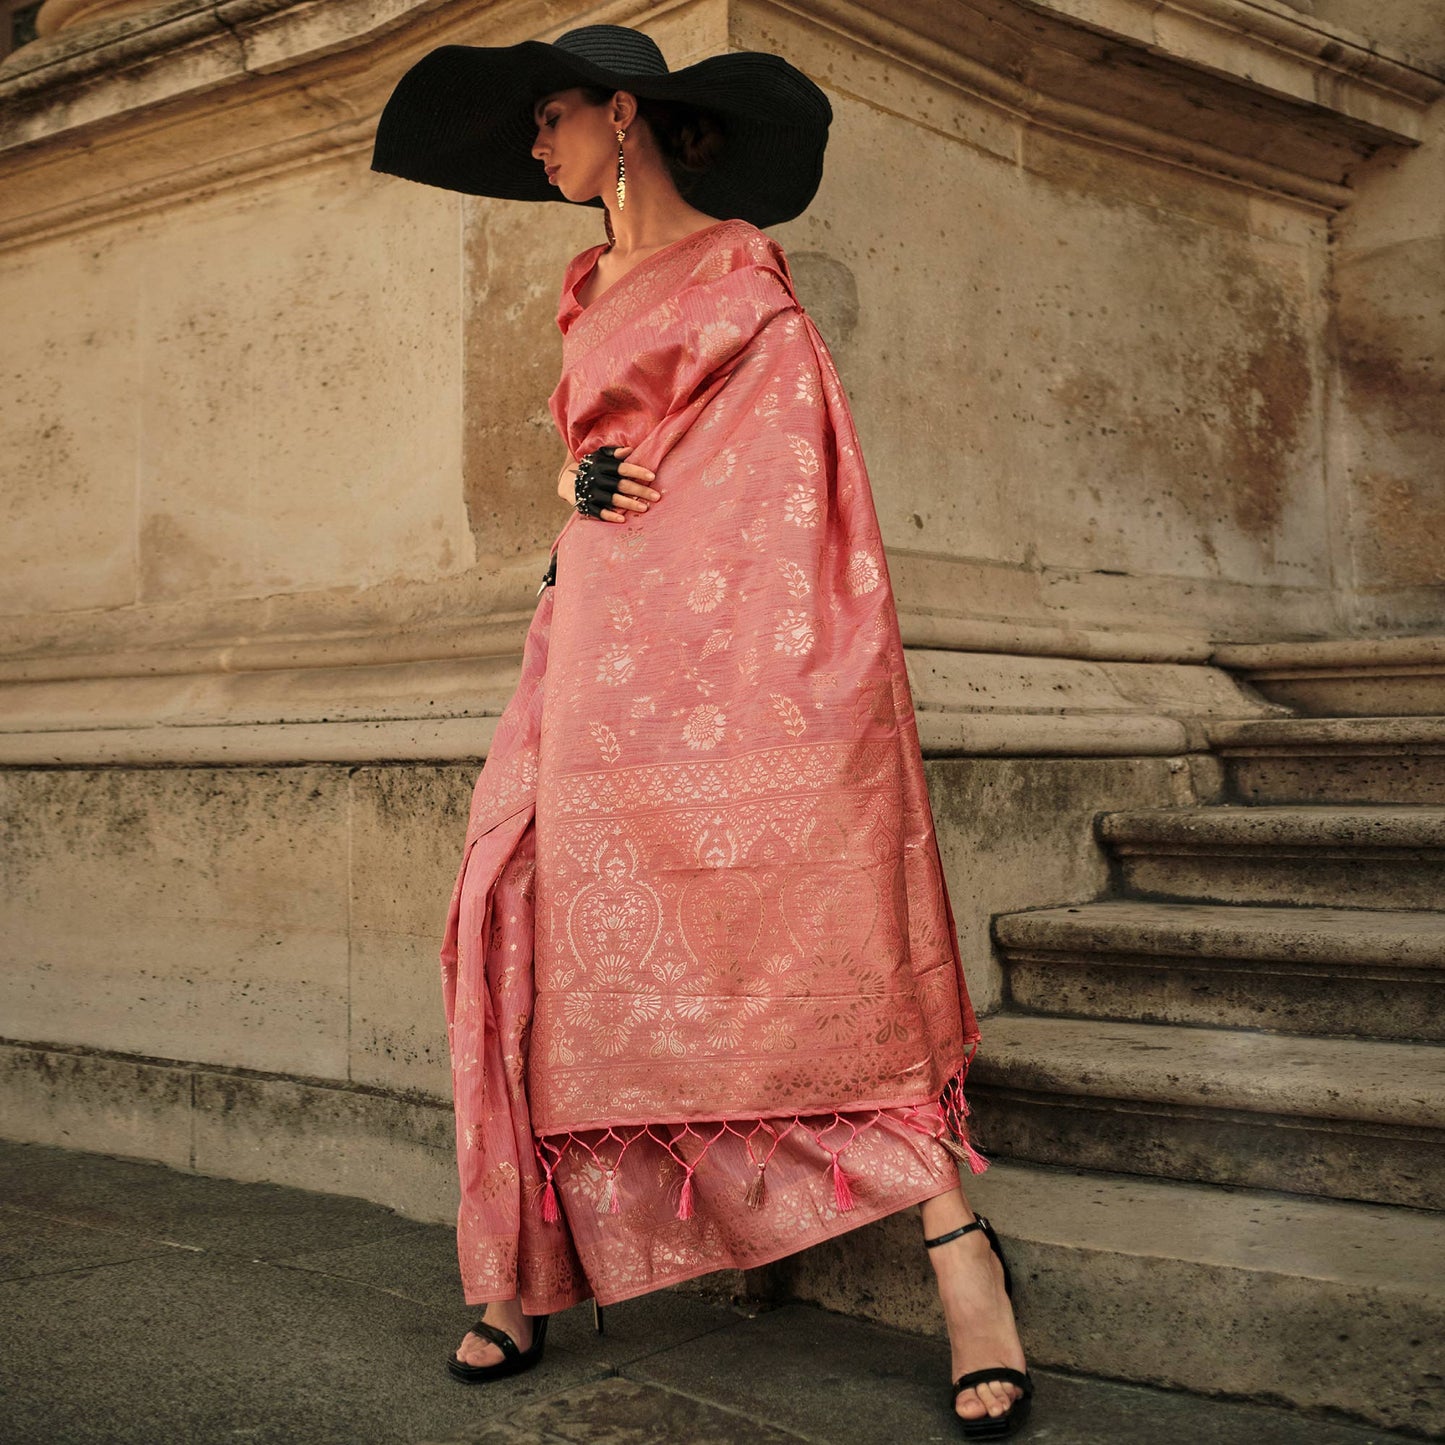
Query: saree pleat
point(704, 996)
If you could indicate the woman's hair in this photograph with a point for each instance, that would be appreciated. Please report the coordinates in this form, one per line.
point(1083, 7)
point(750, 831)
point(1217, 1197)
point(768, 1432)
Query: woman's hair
point(690, 140)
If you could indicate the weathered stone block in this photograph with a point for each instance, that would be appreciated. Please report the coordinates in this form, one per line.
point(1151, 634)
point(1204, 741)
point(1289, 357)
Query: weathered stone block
point(71, 314)
point(1356, 972)
point(88, 1101)
point(197, 914)
point(1310, 1157)
point(1318, 856)
point(273, 321)
point(407, 829)
point(1331, 1116)
point(394, 1150)
point(1402, 778)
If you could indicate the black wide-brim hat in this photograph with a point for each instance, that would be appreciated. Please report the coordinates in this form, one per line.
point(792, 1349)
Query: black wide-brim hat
point(461, 118)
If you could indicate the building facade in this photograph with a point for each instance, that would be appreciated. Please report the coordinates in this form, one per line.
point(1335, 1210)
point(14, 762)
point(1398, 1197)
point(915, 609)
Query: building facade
point(1141, 309)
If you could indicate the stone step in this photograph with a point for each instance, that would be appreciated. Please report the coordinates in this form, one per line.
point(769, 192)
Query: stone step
point(1346, 1118)
point(1360, 856)
point(1344, 676)
point(1346, 971)
point(1333, 760)
point(1323, 1305)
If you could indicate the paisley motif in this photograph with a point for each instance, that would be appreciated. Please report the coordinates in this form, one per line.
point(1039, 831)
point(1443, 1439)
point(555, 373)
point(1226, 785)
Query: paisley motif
point(615, 919)
point(830, 913)
point(722, 918)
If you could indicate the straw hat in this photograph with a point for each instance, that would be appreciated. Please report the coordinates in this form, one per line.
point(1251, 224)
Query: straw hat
point(461, 118)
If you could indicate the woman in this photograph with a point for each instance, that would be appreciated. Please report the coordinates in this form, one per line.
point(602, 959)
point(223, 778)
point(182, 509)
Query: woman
point(703, 988)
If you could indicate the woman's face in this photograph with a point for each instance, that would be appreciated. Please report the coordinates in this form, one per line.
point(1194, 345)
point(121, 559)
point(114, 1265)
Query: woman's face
point(577, 143)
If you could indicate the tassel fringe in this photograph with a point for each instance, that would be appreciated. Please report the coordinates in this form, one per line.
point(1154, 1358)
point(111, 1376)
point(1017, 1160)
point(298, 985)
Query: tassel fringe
point(942, 1120)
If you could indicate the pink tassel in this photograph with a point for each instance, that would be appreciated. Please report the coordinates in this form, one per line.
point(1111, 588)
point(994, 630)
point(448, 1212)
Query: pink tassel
point(757, 1190)
point(965, 1153)
point(684, 1204)
point(842, 1192)
point(610, 1202)
point(550, 1213)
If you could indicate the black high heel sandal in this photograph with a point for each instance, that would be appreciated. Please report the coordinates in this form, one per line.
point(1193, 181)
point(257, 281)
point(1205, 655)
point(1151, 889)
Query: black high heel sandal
point(989, 1427)
point(513, 1360)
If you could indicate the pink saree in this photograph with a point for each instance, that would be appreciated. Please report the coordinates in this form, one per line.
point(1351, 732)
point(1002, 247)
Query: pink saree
point(703, 988)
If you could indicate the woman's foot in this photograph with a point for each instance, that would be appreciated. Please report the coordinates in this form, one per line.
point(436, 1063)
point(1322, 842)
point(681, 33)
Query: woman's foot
point(505, 1315)
point(980, 1318)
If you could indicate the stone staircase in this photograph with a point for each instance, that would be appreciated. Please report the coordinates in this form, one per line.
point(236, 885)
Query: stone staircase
point(1216, 1098)
point(1254, 1016)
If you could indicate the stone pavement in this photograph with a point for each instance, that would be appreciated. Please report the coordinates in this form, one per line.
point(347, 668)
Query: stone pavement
point(142, 1306)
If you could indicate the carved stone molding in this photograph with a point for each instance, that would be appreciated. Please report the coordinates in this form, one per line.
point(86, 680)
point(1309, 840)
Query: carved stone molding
point(446, 740)
point(1245, 90)
point(57, 15)
point(367, 698)
point(1346, 677)
point(1273, 48)
point(448, 711)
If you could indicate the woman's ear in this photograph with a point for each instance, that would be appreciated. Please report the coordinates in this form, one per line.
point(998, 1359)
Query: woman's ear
point(624, 110)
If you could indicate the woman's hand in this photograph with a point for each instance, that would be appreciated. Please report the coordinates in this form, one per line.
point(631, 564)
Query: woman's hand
point(632, 494)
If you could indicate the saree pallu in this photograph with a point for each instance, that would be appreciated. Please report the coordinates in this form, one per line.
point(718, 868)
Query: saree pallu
point(704, 995)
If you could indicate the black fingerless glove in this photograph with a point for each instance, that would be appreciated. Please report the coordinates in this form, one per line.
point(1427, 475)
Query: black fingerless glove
point(599, 474)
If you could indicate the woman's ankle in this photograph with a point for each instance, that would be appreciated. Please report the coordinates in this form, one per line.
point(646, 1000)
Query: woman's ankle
point(945, 1213)
point(509, 1309)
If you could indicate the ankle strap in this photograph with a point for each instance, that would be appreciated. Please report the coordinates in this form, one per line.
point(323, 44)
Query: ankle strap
point(979, 1223)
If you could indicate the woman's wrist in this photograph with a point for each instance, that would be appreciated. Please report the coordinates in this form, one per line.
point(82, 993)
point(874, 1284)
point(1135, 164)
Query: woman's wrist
point(566, 479)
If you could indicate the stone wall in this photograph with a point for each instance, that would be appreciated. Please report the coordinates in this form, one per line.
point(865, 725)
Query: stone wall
point(1389, 439)
point(1124, 302)
point(235, 969)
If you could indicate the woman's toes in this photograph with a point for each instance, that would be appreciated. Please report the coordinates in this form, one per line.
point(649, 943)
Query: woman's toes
point(970, 1406)
point(986, 1398)
point(476, 1351)
point(997, 1397)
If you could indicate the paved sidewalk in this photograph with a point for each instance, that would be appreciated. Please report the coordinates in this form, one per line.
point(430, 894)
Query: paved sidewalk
point(144, 1305)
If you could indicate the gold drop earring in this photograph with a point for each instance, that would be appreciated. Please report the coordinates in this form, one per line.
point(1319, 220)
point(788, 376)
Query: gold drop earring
point(621, 172)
